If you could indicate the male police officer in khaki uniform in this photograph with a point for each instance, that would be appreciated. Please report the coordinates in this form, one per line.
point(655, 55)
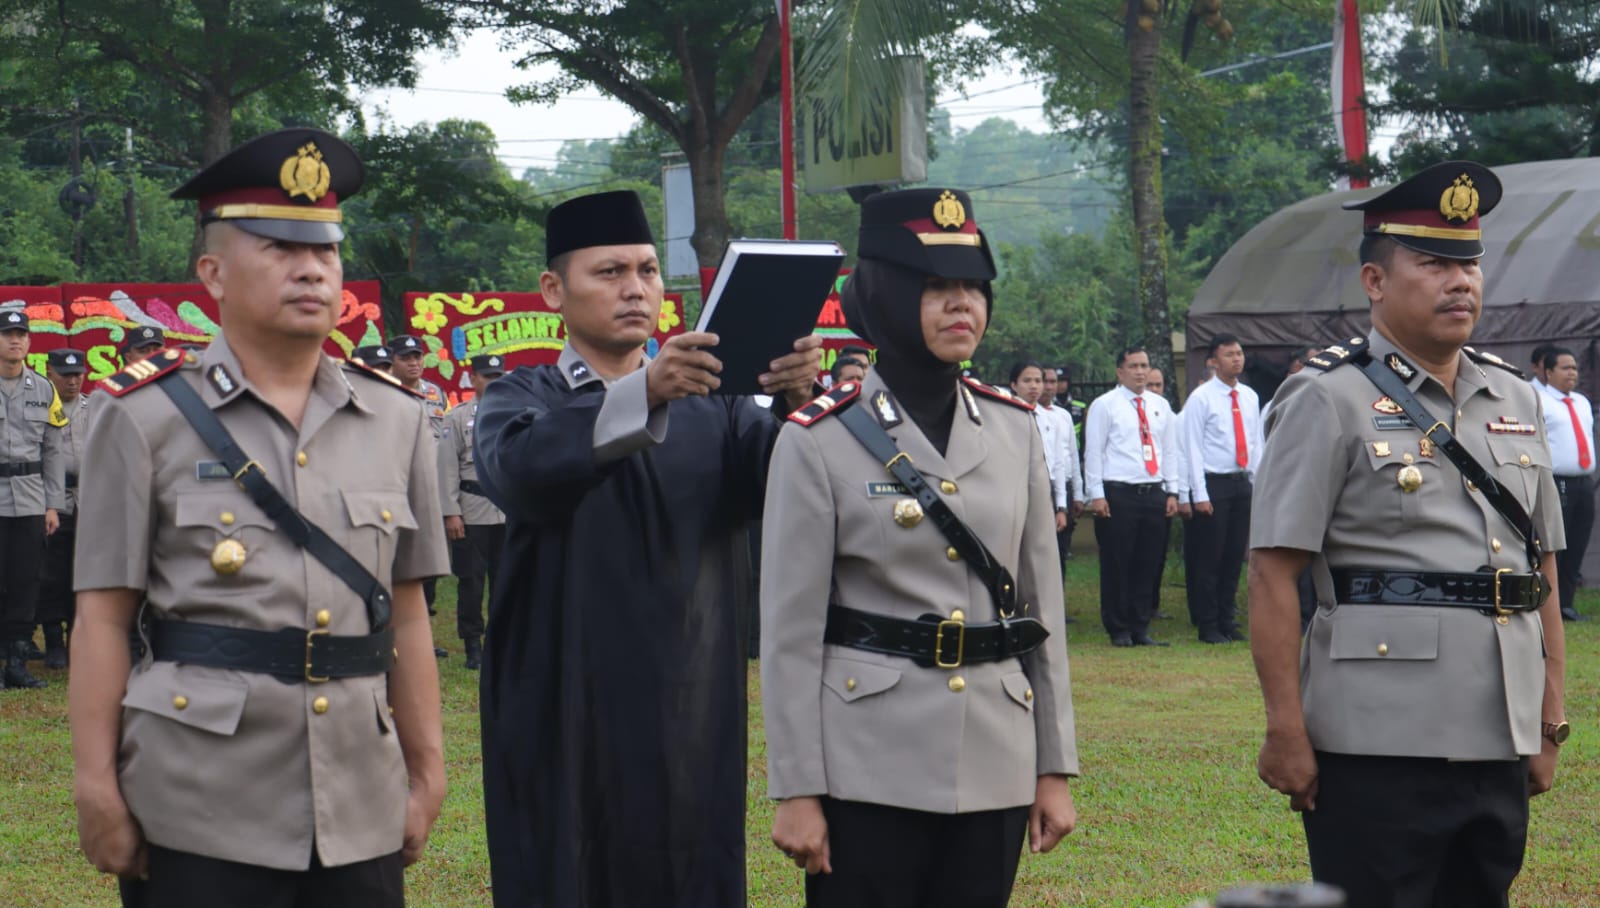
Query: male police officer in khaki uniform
point(475, 526)
point(64, 368)
point(280, 744)
point(1426, 704)
point(31, 493)
point(406, 353)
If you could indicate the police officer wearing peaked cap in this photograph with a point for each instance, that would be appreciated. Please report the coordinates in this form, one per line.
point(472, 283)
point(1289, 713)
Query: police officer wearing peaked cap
point(918, 707)
point(251, 757)
point(140, 343)
point(1413, 474)
point(374, 356)
point(407, 356)
point(65, 369)
point(32, 493)
point(475, 526)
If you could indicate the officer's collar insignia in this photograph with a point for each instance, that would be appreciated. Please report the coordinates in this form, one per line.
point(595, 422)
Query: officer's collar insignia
point(887, 414)
point(578, 370)
point(1380, 449)
point(971, 404)
point(1387, 405)
point(948, 212)
point(1400, 366)
point(222, 380)
point(1460, 200)
point(304, 174)
point(1425, 447)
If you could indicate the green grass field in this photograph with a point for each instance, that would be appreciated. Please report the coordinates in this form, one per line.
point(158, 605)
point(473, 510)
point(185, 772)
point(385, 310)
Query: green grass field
point(1169, 807)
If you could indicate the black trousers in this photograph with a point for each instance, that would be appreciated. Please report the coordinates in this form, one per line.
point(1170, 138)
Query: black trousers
point(56, 601)
point(890, 857)
point(1214, 550)
point(475, 561)
point(179, 879)
point(1577, 518)
point(1132, 548)
point(1404, 832)
point(21, 555)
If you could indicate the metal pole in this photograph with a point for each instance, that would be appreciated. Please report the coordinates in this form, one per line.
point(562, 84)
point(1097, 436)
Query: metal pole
point(786, 115)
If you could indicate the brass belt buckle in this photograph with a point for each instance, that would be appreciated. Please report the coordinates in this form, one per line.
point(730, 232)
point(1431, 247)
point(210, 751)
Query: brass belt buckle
point(238, 477)
point(311, 637)
point(1499, 609)
point(938, 643)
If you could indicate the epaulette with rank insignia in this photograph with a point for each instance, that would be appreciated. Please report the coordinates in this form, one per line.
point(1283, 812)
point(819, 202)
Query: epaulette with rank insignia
point(1338, 354)
point(831, 402)
point(360, 368)
point(143, 372)
point(993, 393)
point(1493, 360)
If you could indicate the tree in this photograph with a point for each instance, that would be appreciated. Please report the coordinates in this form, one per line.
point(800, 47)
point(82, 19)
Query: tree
point(694, 69)
point(147, 65)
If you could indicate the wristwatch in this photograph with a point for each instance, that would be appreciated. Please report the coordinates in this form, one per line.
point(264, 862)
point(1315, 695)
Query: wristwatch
point(1557, 732)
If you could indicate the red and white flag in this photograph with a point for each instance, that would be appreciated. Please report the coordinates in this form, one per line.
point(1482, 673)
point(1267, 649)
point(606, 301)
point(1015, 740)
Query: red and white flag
point(1349, 89)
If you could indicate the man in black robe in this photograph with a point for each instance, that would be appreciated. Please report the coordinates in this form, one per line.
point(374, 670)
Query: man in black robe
point(613, 698)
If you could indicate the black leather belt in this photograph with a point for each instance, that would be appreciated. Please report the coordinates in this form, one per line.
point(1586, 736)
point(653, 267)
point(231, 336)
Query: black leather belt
point(471, 487)
point(1576, 478)
point(932, 641)
point(72, 480)
point(291, 655)
point(29, 468)
point(1501, 590)
point(1137, 488)
point(1243, 475)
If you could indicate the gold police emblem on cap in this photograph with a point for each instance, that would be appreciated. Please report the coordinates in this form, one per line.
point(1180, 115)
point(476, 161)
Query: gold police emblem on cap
point(1409, 478)
point(228, 557)
point(1460, 200)
point(305, 174)
point(907, 513)
point(948, 212)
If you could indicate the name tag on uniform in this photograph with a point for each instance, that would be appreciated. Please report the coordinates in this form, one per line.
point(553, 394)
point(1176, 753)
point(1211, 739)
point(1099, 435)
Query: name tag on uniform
point(886, 490)
point(211, 469)
point(1506, 428)
point(1390, 423)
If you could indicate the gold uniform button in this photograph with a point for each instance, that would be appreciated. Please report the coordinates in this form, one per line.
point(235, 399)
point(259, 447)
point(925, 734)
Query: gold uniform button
point(1028, 694)
point(180, 702)
point(957, 683)
point(319, 705)
point(324, 618)
point(301, 458)
point(1472, 486)
point(227, 518)
point(1502, 620)
point(1523, 460)
point(1494, 544)
point(958, 615)
point(386, 515)
point(947, 487)
point(1383, 649)
point(849, 684)
point(952, 554)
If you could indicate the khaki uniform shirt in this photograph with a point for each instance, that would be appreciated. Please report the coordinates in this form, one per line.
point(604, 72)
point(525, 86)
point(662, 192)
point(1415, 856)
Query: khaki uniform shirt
point(74, 441)
point(1409, 680)
point(26, 436)
point(436, 403)
point(239, 765)
point(880, 729)
point(456, 464)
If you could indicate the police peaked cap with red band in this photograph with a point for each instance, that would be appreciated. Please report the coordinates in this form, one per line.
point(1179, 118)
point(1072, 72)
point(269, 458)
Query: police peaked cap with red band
point(928, 230)
point(1436, 212)
point(600, 219)
point(285, 185)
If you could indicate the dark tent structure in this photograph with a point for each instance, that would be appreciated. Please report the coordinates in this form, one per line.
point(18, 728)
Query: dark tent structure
point(1293, 280)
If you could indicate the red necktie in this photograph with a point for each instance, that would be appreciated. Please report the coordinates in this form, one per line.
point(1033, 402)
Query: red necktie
point(1241, 451)
point(1577, 431)
point(1148, 445)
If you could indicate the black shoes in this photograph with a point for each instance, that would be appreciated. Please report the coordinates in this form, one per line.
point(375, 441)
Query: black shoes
point(1147, 640)
point(474, 653)
point(31, 651)
point(1209, 636)
point(16, 673)
point(1122, 640)
point(440, 652)
point(1571, 614)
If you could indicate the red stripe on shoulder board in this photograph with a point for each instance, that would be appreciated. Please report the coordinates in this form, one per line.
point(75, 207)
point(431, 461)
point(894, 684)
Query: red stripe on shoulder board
point(144, 372)
point(825, 404)
point(993, 394)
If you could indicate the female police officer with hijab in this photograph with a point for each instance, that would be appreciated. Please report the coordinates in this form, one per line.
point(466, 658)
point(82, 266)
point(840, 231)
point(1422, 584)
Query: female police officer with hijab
point(914, 663)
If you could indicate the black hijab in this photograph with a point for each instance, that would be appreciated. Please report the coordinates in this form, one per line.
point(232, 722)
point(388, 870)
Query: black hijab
point(882, 303)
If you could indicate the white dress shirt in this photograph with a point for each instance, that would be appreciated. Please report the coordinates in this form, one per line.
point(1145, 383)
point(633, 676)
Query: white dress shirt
point(1069, 449)
point(1558, 430)
point(1113, 450)
point(1054, 460)
point(1210, 445)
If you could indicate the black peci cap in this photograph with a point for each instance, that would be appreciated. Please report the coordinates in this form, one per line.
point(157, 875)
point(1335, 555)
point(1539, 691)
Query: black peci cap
point(602, 219)
point(285, 185)
point(66, 361)
point(928, 230)
point(487, 364)
point(140, 337)
point(1435, 212)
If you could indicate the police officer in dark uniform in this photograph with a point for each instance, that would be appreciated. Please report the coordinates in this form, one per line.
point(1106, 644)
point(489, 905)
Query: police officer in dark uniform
point(65, 368)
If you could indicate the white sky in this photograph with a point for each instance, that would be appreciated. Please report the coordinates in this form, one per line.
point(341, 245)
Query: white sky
point(470, 84)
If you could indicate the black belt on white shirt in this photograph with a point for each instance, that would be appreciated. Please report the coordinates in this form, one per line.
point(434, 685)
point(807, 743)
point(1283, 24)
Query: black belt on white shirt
point(1137, 488)
point(1484, 590)
point(26, 468)
point(471, 487)
point(1242, 475)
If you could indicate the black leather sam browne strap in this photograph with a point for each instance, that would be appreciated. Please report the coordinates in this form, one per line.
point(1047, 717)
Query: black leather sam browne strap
point(1498, 496)
point(250, 477)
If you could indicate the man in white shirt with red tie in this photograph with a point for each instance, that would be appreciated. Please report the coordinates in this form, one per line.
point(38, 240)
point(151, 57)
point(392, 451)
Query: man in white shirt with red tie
point(1569, 427)
point(1132, 486)
point(1222, 429)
